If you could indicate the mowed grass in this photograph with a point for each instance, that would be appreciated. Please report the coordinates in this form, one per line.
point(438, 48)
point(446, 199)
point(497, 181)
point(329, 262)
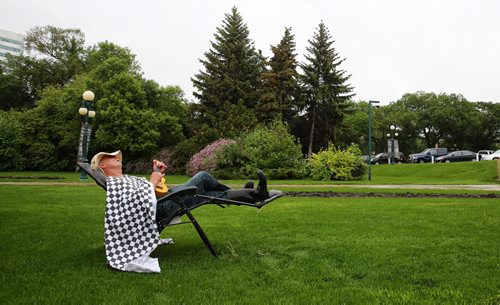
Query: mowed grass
point(293, 251)
point(484, 172)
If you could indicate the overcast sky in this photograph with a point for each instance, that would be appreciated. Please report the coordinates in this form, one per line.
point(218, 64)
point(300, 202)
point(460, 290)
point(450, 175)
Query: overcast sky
point(391, 47)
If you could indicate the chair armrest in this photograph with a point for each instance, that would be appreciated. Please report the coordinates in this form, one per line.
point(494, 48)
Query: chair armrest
point(187, 191)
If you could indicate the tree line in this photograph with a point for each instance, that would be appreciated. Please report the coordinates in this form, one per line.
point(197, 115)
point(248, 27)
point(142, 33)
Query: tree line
point(237, 89)
point(426, 120)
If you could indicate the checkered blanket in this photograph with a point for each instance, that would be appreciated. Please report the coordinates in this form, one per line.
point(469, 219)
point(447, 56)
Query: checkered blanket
point(130, 230)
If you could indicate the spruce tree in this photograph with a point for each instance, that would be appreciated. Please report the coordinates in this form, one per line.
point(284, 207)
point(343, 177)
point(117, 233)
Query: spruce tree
point(326, 89)
point(228, 88)
point(281, 93)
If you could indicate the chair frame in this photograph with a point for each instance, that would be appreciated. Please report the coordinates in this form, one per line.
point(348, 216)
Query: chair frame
point(178, 197)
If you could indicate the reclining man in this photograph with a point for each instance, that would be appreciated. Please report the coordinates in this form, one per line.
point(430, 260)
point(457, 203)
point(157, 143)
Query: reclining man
point(132, 213)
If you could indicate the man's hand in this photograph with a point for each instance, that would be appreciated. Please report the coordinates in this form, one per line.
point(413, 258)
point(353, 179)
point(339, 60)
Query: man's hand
point(160, 165)
point(155, 178)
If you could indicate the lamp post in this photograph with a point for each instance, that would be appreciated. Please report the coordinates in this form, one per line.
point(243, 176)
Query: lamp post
point(370, 138)
point(391, 136)
point(87, 112)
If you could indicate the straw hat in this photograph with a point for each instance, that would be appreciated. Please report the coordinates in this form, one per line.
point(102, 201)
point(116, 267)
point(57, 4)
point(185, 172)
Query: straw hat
point(94, 164)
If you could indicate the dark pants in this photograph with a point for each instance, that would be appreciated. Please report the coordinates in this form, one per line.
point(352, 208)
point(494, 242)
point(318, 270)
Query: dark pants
point(205, 183)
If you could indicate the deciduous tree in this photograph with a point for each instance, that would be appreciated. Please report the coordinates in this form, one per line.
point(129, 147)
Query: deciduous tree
point(14, 93)
point(134, 115)
point(54, 57)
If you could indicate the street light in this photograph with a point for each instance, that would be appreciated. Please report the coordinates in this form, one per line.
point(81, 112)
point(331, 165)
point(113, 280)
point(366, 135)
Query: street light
point(87, 112)
point(370, 138)
point(391, 137)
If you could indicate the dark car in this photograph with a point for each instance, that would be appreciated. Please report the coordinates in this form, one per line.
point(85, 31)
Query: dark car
point(456, 156)
point(382, 158)
point(428, 154)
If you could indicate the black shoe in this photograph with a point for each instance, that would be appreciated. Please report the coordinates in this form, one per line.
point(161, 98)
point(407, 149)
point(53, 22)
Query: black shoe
point(249, 185)
point(261, 191)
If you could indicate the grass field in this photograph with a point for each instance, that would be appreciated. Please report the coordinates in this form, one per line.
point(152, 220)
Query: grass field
point(293, 251)
point(439, 173)
point(483, 172)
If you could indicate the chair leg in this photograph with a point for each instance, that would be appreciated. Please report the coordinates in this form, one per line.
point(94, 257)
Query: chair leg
point(198, 228)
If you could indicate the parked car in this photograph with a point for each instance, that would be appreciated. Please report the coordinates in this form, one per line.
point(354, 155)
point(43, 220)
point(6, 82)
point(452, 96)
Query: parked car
point(493, 156)
point(426, 155)
point(484, 152)
point(383, 158)
point(365, 158)
point(456, 156)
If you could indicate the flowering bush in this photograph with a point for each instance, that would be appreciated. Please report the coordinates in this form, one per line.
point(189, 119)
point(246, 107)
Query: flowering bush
point(205, 159)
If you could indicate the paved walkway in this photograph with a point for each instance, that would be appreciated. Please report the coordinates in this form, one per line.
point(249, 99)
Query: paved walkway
point(478, 187)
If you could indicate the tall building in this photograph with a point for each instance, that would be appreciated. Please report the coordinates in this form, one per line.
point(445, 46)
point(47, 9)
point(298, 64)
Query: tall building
point(10, 43)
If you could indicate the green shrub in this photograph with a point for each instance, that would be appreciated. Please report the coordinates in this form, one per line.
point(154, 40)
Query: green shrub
point(337, 164)
point(43, 156)
point(230, 160)
point(286, 173)
point(272, 147)
point(143, 165)
point(181, 154)
point(269, 148)
point(10, 140)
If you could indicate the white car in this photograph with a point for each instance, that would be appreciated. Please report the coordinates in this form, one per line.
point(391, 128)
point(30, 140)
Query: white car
point(484, 152)
point(493, 156)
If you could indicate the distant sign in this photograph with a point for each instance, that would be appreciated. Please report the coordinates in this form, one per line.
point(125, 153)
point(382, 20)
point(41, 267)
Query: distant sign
point(85, 132)
point(390, 146)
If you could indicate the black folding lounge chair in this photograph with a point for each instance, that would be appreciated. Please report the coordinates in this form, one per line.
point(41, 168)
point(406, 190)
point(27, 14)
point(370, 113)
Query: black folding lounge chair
point(179, 196)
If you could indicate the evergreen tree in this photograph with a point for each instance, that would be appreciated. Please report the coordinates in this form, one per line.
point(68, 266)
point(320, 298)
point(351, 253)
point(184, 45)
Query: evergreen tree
point(281, 94)
point(230, 85)
point(326, 89)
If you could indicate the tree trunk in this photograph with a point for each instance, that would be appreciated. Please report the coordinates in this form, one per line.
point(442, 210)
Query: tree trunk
point(311, 134)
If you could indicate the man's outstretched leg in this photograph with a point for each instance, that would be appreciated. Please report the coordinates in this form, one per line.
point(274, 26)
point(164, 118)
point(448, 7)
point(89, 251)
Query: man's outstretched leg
point(208, 185)
point(205, 183)
point(250, 195)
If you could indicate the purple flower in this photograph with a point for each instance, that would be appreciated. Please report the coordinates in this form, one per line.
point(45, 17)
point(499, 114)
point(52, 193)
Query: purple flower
point(205, 159)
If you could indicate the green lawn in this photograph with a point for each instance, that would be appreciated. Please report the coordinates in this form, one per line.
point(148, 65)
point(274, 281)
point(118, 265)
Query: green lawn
point(293, 251)
point(484, 172)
